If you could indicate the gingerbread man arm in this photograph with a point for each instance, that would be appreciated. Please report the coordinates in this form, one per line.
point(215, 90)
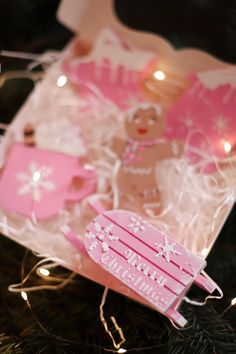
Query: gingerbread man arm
point(118, 146)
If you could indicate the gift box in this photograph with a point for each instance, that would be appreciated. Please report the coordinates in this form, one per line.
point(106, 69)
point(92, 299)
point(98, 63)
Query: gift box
point(89, 97)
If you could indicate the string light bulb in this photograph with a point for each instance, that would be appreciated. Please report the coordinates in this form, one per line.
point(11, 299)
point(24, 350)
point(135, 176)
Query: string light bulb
point(227, 147)
point(24, 295)
point(121, 350)
point(159, 75)
point(45, 272)
point(233, 301)
point(61, 81)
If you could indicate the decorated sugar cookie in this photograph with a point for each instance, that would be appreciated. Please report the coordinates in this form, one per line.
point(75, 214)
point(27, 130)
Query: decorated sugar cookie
point(139, 155)
point(144, 259)
point(38, 183)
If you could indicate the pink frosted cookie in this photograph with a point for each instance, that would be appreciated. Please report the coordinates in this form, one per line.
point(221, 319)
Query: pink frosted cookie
point(146, 260)
point(36, 182)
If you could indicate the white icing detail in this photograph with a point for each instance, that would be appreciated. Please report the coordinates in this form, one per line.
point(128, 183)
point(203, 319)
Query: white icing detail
point(144, 106)
point(161, 281)
point(99, 231)
point(93, 246)
point(90, 235)
point(35, 180)
point(113, 238)
point(138, 170)
point(109, 47)
point(187, 119)
point(108, 229)
point(221, 124)
point(103, 234)
point(104, 258)
point(151, 205)
point(150, 193)
point(137, 224)
point(136, 282)
point(97, 227)
point(215, 78)
point(166, 250)
point(105, 247)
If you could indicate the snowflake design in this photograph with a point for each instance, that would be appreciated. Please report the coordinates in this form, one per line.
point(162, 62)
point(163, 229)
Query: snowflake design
point(220, 124)
point(103, 234)
point(113, 238)
point(90, 235)
point(166, 250)
point(35, 180)
point(99, 231)
point(108, 229)
point(187, 120)
point(137, 224)
point(105, 246)
point(93, 245)
point(131, 101)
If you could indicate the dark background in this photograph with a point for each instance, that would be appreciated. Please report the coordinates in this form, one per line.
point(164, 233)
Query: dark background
point(31, 26)
point(67, 321)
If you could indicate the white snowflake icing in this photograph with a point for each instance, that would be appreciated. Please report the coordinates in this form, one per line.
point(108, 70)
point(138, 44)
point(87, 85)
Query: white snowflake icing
point(93, 245)
point(105, 246)
point(187, 120)
point(137, 224)
point(103, 234)
point(97, 227)
point(99, 231)
point(35, 180)
point(113, 238)
point(108, 229)
point(90, 235)
point(166, 250)
point(221, 124)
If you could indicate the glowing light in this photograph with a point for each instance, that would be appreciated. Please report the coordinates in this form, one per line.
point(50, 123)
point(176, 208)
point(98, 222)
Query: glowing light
point(233, 302)
point(204, 252)
point(87, 166)
point(227, 146)
point(121, 350)
point(36, 176)
point(24, 295)
point(44, 272)
point(61, 81)
point(159, 75)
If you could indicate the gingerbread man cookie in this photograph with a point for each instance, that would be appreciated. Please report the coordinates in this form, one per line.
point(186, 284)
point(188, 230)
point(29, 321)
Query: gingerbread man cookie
point(139, 154)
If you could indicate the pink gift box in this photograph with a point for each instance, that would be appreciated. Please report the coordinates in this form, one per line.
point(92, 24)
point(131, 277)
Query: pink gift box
point(43, 239)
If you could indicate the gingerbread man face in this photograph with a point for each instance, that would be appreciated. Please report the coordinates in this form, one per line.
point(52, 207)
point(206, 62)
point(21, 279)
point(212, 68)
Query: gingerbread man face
point(145, 123)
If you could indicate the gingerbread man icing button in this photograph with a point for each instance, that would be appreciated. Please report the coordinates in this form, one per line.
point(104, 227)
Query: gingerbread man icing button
point(139, 153)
